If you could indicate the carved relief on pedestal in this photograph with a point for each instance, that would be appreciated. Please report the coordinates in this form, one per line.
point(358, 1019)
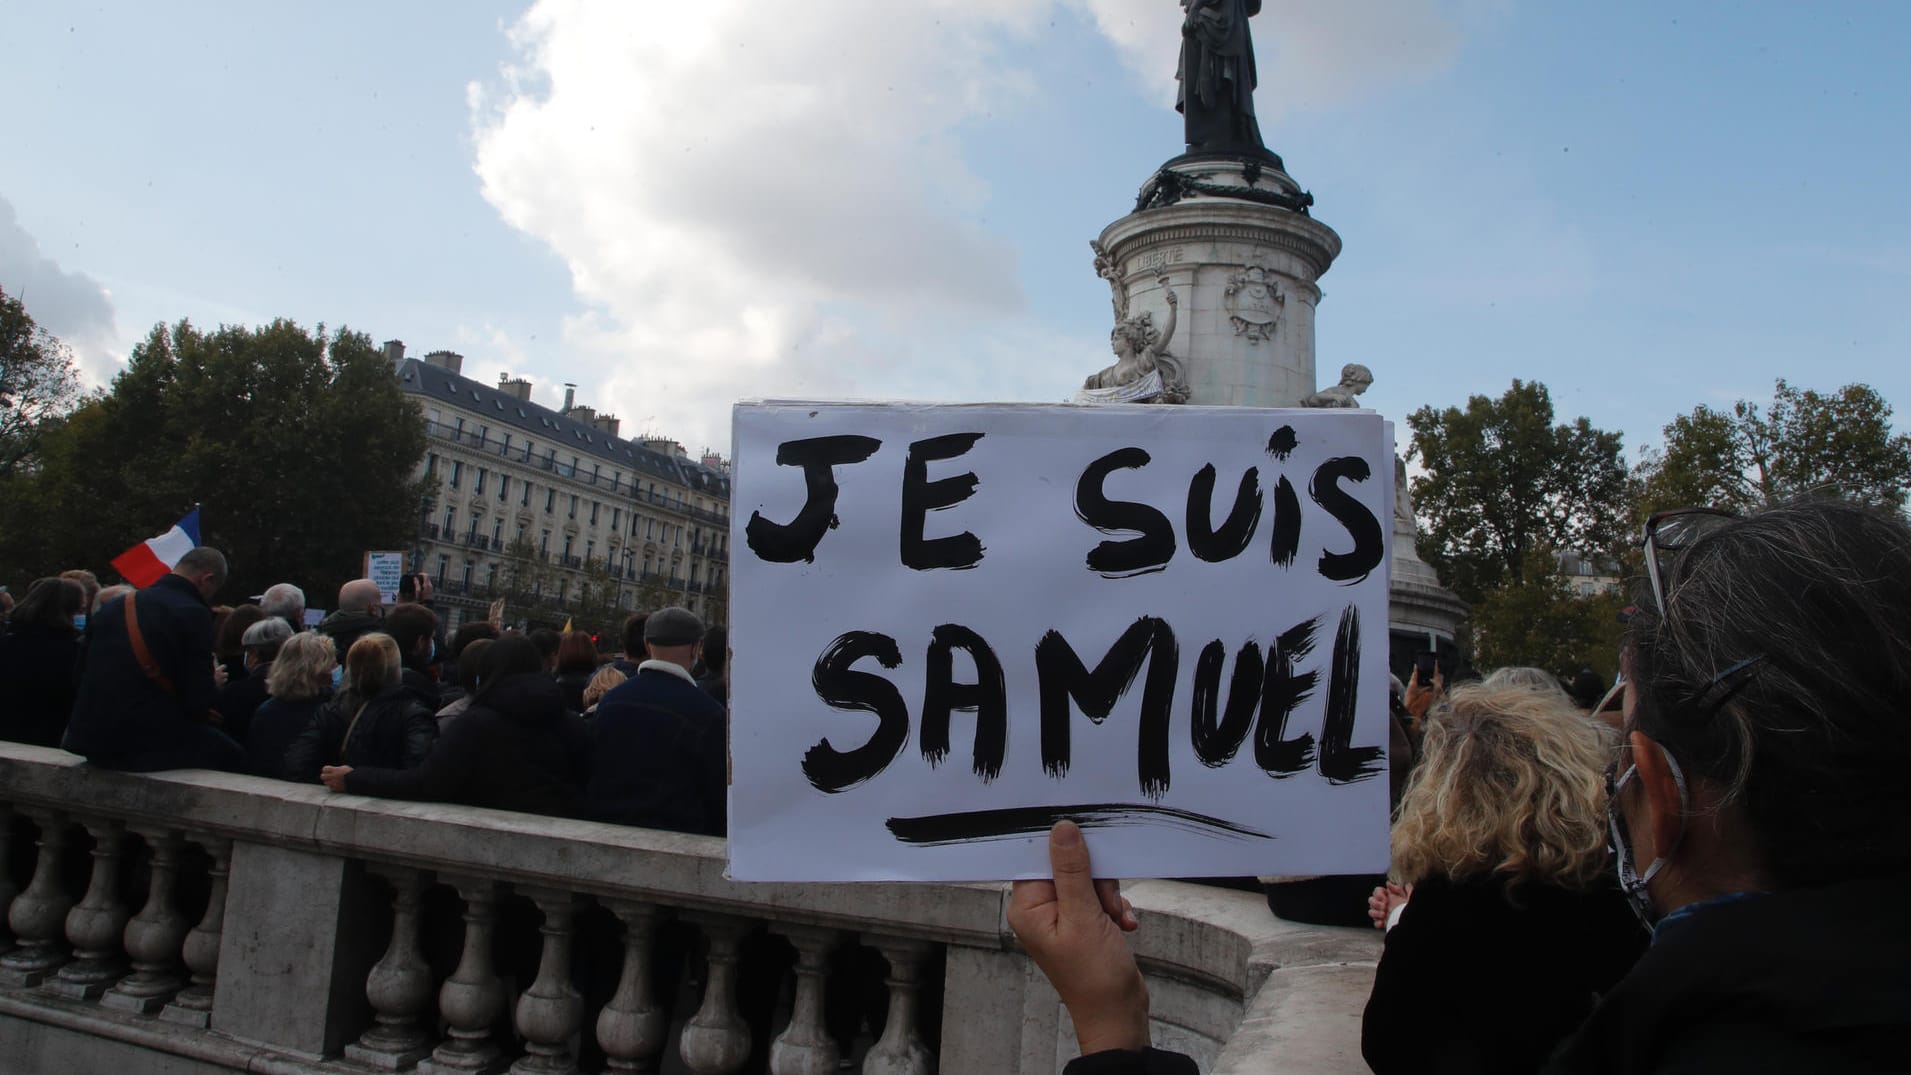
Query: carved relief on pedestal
point(1255, 302)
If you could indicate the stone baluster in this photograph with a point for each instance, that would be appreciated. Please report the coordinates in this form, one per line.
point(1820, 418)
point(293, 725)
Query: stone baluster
point(633, 1029)
point(900, 1050)
point(805, 1046)
point(193, 1006)
point(551, 1010)
point(399, 986)
point(95, 924)
point(154, 935)
point(37, 916)
point(472, 998)
point(716, 1041)
point(8, 889)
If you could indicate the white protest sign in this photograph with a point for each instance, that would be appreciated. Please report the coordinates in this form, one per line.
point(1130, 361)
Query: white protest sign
point(386, 569)
point(953, 625)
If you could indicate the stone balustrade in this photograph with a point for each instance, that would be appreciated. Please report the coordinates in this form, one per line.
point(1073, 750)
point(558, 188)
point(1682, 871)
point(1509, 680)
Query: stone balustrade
point(206, 922)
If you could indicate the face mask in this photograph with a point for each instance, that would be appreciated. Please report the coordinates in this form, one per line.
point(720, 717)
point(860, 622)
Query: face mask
point(1631, 881)
point(338, 676)
point(433, 659)
point(79, 621)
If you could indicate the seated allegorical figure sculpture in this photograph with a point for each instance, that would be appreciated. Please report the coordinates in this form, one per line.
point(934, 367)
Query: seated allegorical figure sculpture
point(1354, 379)
point(1141, 349)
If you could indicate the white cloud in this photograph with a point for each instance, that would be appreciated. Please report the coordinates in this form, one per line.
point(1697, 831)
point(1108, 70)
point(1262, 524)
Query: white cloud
point(71, 305)
point(758, 203)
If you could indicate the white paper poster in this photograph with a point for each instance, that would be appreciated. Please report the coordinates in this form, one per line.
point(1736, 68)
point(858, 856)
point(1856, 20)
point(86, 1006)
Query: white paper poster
point(953, 625)
point(386, 569)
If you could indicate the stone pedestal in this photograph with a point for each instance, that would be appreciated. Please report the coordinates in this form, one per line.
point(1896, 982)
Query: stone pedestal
point(1243, 262)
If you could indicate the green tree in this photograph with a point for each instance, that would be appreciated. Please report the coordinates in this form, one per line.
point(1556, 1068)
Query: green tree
point(38, 383)
point(1805, 442)
point(299, 447)
point(1502, 480)
point(1540, 622)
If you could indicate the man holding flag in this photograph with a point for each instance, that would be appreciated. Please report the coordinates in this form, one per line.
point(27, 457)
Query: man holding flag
point(147, 686)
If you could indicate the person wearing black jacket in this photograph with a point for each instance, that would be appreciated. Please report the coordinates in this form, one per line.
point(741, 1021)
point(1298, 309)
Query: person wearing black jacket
point(39, 659)
point(515, 746)
point(240, 698)
point(659, 742)
point(415, 628)
point(373, 721)
point(299, 684)
point(146, 697)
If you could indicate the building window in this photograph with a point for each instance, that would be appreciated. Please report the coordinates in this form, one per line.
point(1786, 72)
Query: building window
point(507, 443)
point(457, 426)
point(491, 577)
point(590, 551)
point(573, 505)
point(484, 434)
point(444, 565)
point(468, 567)
point(431, 465)
point(567, 545)
point(477, 520)
point(594, 507)
point(504, 487)
point(550, 500)
point(562, 586)
point(616, 517)
point(544, 543)
point(524, 494)
point(519, 540)
point(457, 472)
point(595, 473)
point(451, 522)
point(497, 531)
point(477, 484)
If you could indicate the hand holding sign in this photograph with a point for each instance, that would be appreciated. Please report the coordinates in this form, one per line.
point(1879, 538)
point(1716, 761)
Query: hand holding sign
point(1072, 927)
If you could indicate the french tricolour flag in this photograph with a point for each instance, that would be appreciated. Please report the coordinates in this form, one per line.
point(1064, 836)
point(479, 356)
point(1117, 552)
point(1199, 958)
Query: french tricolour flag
point(150, 560)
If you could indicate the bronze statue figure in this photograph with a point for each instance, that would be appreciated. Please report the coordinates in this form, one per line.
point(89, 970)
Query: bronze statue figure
point(1217, 77)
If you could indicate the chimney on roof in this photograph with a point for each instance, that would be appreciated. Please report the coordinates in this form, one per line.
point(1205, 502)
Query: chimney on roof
point(570, 397)
point(449, 361)
point(605, 423)
point(665, 446)
point(395, 351)
point(516, 387)
point(581, 413)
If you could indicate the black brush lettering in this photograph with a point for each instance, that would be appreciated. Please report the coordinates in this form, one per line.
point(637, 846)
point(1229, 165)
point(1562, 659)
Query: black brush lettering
point(920, 496)
point(1283, 692)
point(1340, 761)
point(1370, 543)
point(988, 696)
point(840, 685)
point(1063, 678)
point(1286, 544)
point(786, 543)
point(1282, 443)
point(1155, 546)
point(1215, 744)
point(1212, 544)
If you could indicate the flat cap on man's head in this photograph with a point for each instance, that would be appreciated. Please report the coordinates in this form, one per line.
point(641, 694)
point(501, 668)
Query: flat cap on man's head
point(673, 627)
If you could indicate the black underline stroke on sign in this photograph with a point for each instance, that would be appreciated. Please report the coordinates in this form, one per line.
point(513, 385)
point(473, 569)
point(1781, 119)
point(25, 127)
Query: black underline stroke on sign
point(937, 830)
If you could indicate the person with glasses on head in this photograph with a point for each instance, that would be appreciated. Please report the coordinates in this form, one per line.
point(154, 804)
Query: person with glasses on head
point(1760, 812)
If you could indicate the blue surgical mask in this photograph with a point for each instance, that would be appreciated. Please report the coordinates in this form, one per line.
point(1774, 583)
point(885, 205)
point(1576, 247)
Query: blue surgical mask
point(338, 676)
point(434, 652)
point(79, 621)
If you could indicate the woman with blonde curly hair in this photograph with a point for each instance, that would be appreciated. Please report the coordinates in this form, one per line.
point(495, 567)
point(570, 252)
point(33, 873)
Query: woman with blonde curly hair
point(1514, 926)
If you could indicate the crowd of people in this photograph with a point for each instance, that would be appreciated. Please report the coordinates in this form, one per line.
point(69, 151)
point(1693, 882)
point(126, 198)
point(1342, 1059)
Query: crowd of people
point(372, 700)
point(1696, 873)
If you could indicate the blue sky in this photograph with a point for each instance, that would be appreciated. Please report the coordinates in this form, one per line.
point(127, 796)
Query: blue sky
point(1644, 206)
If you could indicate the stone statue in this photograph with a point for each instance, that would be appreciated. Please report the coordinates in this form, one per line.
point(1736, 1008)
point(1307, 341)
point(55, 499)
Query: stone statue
point(1354, 379)
point(1141, 350)
point(1403, 523)
point(1217, 77)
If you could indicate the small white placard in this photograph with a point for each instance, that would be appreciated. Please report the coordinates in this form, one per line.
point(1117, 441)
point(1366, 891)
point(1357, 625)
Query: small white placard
point(386, 569)
point(952, 625)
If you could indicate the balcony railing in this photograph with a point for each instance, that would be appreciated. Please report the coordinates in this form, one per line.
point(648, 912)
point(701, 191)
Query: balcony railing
point(279, 927)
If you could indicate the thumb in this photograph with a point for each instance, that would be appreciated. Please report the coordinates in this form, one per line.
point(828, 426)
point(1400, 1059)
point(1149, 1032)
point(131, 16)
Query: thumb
point(1068, 861)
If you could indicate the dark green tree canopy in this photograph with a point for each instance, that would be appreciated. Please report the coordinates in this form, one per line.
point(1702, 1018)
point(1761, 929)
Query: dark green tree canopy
point(1502, 480)
point(299, 447)
point(38, 383)
point(1806, 442)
